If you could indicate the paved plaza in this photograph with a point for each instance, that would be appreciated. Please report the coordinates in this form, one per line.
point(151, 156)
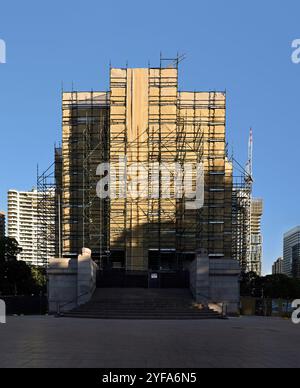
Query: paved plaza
point(239, 342)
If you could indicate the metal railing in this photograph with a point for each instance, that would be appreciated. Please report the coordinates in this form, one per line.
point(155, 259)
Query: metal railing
point(74, 301)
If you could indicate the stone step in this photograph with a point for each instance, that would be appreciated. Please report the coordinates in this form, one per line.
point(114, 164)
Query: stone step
point(141, 304)
point(212, 313)
point(145, 306)
point(137, 308)
point(129, 314)
point(142, 316)
point(146, 313)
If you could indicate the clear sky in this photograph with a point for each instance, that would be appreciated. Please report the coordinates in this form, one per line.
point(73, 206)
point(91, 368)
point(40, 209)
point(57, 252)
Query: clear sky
point(241, 46)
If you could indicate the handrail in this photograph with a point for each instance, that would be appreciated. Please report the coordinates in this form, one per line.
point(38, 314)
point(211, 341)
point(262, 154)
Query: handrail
point(224, 309)
point(60, 306)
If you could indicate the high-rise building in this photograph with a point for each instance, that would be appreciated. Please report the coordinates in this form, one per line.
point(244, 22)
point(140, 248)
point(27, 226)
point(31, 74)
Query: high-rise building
point(254, 262)
point(247, 214)
point(25, 226)
point(241, 206)
point(2, 224)
point(277, 268)
point(144, 119)
point(291, 253)
point(248, 240)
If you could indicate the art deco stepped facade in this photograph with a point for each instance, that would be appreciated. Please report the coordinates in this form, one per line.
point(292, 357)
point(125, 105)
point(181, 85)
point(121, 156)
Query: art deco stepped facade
point(144, 118)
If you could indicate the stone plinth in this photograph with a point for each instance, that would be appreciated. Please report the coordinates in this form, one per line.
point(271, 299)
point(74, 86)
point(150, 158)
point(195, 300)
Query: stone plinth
point(71, 282)
point(215, 281)
point(86, 277)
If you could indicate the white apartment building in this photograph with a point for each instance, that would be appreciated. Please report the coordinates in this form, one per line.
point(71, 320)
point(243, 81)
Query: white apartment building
point(24, 224)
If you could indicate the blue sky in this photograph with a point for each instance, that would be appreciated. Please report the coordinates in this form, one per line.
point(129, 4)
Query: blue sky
point(243, 47)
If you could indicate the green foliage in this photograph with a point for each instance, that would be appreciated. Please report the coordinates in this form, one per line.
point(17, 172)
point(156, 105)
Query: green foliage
point(249, 283)
point(271, 286)
point(39, 277)
point(16, 277)
point(9, 249)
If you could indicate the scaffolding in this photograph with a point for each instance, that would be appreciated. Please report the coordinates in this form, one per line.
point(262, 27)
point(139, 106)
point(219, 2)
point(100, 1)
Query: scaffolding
point(181, 127)
point(46, 210)
point(205, 112)
point(145, 119)
point(84, 147)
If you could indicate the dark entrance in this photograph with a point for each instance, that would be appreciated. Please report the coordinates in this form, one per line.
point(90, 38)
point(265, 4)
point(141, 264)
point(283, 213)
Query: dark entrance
point(169, 279)
point(120, 278)
point(166, 269)
point(163, 260)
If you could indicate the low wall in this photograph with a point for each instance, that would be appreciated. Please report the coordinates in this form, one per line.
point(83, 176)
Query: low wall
point(25, 305)
point(266, 307)
point(71, 282)
point(215, 281)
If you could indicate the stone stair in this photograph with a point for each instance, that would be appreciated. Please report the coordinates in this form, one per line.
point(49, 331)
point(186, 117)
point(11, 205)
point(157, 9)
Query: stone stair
point(143, 304)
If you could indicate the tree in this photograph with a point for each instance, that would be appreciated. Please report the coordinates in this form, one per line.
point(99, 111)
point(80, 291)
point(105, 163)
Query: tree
point(271, 286)
point(278, 286)
point(16, 277)
point(19, 277)
point(249, 284)
point(39, 277)
point(9, 249)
